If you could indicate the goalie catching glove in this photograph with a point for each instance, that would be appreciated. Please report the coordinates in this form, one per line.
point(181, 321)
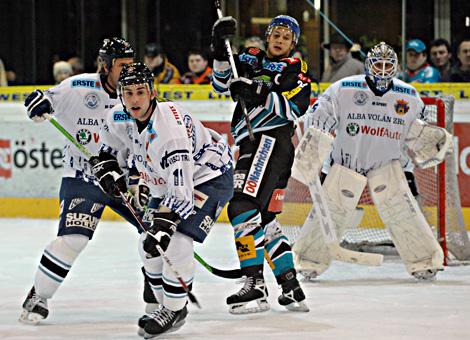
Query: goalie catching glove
point(253, 92)
point(160, 232)
point(427, 144)
point(109, 175)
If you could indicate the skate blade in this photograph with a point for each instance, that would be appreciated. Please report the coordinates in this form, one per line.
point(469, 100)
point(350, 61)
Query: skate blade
point(175, 327)
point(141, 332)
point(30, 318)
point(241, 308)
point(298, 307)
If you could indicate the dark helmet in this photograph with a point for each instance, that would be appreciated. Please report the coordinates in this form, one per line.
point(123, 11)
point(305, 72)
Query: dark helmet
point(135, 73)
point(114, 48)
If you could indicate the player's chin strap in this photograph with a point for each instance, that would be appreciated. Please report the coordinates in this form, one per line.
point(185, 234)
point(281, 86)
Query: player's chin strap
point(309, 155)
point(226, 274)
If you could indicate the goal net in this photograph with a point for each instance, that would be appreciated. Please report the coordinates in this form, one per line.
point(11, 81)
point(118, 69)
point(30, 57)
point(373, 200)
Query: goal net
point(439, 199)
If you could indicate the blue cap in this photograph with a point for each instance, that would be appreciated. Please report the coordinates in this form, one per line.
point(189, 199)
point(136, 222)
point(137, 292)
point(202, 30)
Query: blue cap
point(416, 45)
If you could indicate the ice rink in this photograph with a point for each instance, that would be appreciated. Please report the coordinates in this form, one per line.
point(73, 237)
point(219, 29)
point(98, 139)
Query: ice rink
point(101, 297)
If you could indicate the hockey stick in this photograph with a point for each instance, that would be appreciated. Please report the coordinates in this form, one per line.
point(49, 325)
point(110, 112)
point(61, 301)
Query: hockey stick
point(320, 207)
point(235, 75)
point(227, 274)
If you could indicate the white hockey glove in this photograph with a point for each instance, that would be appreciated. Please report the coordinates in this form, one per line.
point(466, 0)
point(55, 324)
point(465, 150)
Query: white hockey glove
point(37, 104)
point(139, 192)
point(427, 144)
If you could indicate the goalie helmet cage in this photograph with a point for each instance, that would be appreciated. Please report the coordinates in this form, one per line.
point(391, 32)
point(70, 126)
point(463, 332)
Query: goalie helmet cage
point(439, 199)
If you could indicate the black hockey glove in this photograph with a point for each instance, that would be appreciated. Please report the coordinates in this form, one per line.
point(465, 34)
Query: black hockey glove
point(37, 104)
point(253, 92)
point(224, 28)
point(160, 232)
point(109, 175)
point(139, 192)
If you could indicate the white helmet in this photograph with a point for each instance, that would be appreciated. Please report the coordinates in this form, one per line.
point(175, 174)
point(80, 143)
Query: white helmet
point(381, 65)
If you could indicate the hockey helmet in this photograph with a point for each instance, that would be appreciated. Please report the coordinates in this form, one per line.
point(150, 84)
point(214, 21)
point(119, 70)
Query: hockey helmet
point(381, 65)
point(114, 48)
point(135, 73)
point(286, 22)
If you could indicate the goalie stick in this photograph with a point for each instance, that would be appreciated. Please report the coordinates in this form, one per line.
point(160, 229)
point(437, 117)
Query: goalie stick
point(226, 274)
point(235, 75)
point(320, 208)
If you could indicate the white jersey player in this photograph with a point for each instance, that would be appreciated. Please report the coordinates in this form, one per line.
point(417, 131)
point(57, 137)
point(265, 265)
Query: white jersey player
point(375, 118)
point(79, 104)
point(188, 169)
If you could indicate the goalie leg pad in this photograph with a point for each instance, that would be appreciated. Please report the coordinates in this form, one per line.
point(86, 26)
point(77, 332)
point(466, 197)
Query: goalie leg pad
point(56, 263)
point(310, 154)
point(403, 218)
point(343, 188)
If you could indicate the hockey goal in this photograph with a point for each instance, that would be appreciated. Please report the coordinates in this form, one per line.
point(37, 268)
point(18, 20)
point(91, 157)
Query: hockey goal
point(439, 199)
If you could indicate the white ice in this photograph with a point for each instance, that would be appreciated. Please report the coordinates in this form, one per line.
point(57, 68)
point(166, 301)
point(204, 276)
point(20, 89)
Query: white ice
point(101, 297)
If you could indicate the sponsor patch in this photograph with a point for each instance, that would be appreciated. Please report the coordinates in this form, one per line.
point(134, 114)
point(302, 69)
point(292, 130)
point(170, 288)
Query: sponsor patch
point(174, 156)
point(239, 180)
point(5, 159)
point(96, 207)
point(86, 83)
point(352, 129)
point(83, 136)
point(121, 116)
point(75, 202)
point(81, 220)
point(246, 247)
point(206, 224)
point(258, 167)
point(200, 198)
point(176, 115)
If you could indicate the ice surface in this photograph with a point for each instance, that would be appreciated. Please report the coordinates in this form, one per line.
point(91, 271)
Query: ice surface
point(101, 297)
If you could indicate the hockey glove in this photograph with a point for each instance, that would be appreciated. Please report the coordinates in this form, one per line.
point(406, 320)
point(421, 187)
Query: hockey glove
point(109, 175)
point(139, 192)
point(224, 28)
point(160, 232)
point(253, 92)
point(37, 104)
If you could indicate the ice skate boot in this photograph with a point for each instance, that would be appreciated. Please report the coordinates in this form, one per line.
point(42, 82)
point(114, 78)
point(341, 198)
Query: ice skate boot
point(426, 275)
point(292, 297)
point(163, 321)
point(151, 304)
point(254, 289)
point(34, 308)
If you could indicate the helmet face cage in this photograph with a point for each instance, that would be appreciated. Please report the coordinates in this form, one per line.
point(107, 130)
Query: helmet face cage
point(114, 48)
point(133, 74)
point(285, 21)
point(381, 65)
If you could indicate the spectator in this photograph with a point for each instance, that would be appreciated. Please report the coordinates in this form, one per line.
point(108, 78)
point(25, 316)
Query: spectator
point(255, 41)
point(199, 70)
point(164, 72)
point(3, 74)
point(461, 73)
point(441, 57)
point(418, 70)
point(342, 64)
point(61, 70)
point(77, 65)
point(11, 78)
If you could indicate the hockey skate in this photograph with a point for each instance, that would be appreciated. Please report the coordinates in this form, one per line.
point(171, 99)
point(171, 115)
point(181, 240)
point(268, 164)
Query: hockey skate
point(292, 297)
point(426, 275)
point(164, 320)
point(34, 309)
point(254, 289)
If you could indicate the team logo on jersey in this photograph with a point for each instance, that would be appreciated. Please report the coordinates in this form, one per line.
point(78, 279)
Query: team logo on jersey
point(352, 129)
point(360, 98)
point(83, 136)
point(91, 100)
point(401, 107)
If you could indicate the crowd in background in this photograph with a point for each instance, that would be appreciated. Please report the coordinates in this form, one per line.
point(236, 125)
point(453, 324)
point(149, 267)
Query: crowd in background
point(438, 62)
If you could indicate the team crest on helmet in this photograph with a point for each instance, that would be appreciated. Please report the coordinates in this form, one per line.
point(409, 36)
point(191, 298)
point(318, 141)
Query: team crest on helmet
point(360, 98)
point(91, 100)
point(352, 129)
point(83, 136)
point(401, 107)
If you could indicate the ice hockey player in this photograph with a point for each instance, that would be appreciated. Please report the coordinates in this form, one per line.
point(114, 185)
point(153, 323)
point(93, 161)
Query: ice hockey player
point(275, 90)
point(79, 104)
point(189, 171)
point(376, 120)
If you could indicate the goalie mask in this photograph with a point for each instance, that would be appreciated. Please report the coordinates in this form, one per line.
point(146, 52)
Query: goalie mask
point(285, 21)
point(381, 66)
point(112, 49)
